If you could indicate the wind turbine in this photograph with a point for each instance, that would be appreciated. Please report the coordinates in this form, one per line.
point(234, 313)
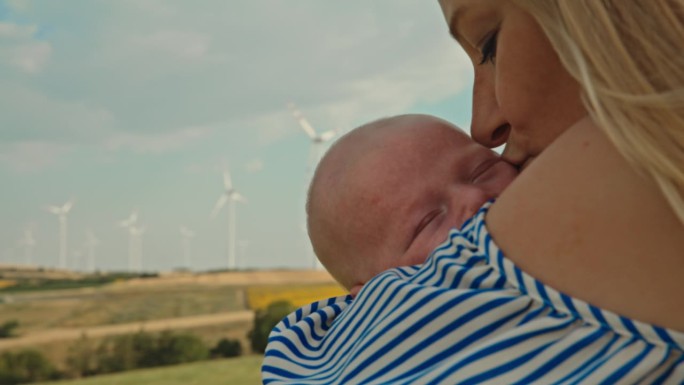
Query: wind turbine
point(28, 242)
point(186, 237)
point(136, 234)
point(77, 259)
point(315, 153)
point(61, 212)
point(231, 196)
point(128, 224)
point(317, 140)
point(91, 243)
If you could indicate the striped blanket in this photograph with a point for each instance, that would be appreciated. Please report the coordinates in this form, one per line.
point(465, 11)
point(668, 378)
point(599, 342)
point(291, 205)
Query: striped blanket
point(466, 316)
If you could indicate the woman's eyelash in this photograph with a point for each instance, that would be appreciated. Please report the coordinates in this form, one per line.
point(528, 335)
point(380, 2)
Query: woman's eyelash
point(489, 48)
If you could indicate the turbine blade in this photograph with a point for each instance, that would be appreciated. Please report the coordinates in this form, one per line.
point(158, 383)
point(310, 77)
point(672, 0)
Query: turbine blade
point(54, 209)
point(219, 205)
point(310, 131)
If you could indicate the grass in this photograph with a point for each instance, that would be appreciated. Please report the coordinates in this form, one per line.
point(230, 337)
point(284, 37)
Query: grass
point(234, 371)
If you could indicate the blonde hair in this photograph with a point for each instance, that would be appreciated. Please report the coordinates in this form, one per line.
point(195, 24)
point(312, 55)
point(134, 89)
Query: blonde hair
point(627, 55)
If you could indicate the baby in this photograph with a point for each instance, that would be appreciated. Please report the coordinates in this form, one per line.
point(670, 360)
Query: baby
point(387, 193)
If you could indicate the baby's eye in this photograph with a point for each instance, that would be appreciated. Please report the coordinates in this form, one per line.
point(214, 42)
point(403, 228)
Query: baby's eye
point(426, 221)
point(489, 47)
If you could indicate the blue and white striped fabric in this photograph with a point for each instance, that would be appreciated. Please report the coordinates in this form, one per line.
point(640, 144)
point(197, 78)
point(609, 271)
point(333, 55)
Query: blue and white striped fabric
point(468, 315)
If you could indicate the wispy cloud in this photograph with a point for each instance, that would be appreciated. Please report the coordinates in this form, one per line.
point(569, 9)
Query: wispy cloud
point(30, 157)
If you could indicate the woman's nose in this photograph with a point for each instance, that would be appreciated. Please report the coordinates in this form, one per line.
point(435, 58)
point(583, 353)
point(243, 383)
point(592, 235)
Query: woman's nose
point(488, 127)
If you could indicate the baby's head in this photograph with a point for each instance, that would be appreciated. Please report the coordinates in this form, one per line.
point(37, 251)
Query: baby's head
point(386, 194)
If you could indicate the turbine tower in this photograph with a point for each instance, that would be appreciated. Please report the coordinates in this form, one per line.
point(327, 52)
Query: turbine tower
point(91, 243)
point(229, 195)
point(29, 243)
point(77, 259)
point(136, 234)
point(186, 238)
point(61, 212)
point(243, 244)
point(128, 224)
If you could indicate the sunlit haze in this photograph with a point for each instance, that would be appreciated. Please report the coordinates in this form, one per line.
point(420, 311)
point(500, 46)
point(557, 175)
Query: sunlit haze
point(140, 105)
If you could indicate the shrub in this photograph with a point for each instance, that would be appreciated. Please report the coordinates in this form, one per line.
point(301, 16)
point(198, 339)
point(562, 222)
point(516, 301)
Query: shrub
point(8, 328)
point(80, 361)
point(265, 321)
point(226, 348)
point(145, 350)
point(24, 367)
point(175, 349)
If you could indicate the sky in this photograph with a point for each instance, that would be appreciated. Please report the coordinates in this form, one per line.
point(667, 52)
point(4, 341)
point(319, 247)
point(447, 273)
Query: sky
point(142, 104)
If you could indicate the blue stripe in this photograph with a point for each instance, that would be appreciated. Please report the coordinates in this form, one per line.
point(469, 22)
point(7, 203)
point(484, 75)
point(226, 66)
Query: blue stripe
point(589, 361)
point(666, 375)
point(506, 367)
point(629, 325)
point(487, 250)
point(598, 364)
point(496, 348)
point(561, 357)
point(500, 282)
point(521, 283)
point(533, 314)
point(598, 314)
point(478, 281)
point(627, 367)
point(569, 304)
point(279, 372)
point(499, 261)
point(665, 336)
point(542, 292)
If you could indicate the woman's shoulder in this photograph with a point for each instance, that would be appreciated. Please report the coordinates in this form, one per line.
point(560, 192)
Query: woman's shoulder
point(582, 220)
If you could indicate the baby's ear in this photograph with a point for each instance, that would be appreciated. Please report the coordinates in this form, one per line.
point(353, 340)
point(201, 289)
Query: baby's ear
point(355, 290)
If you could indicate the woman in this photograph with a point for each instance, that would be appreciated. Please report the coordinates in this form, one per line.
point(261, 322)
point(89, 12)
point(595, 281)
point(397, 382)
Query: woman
point(576, 274)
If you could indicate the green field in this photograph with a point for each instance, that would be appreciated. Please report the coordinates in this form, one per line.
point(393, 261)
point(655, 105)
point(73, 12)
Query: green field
point(235, 371)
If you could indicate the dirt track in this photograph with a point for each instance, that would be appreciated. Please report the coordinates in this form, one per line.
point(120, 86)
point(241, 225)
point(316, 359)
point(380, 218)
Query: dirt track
point(55, 335)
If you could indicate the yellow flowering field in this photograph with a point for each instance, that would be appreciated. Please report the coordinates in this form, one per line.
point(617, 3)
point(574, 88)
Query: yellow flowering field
point(258, 297)
point(7, 283)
